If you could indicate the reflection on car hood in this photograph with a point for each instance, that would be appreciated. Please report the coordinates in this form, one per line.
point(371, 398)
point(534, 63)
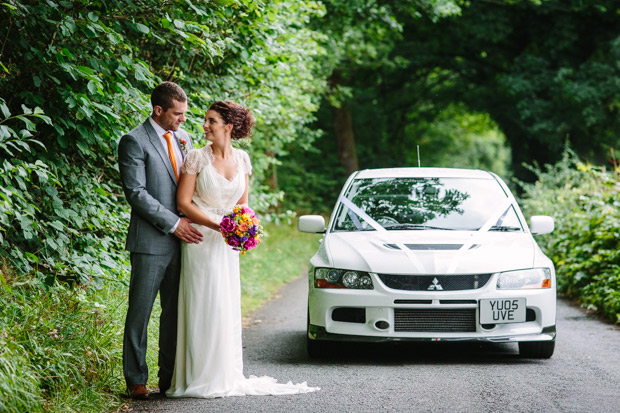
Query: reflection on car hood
point(432, 252)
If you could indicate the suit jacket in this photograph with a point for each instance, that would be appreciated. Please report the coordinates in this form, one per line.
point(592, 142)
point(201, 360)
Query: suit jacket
point(150, 188)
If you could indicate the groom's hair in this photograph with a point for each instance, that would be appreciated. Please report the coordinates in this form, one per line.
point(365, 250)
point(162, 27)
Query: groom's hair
point(165, 93)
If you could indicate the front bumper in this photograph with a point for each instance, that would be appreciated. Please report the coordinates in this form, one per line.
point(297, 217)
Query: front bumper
point(319, 333)
point(379, 306)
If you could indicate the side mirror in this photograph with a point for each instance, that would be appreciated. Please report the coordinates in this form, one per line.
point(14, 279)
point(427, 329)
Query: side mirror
point(311, 223)
point(541, 224)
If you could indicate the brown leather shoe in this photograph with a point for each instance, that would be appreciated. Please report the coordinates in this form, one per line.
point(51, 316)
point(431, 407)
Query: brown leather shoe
point(138, 392)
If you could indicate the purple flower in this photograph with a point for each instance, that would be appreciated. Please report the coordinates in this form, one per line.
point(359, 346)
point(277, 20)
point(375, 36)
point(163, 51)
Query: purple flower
point(243, 238)
point(233, 241)
point(227, 224)
point(253, 230)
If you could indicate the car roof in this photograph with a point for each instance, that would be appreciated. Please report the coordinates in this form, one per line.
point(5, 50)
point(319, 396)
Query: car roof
point(423, 173)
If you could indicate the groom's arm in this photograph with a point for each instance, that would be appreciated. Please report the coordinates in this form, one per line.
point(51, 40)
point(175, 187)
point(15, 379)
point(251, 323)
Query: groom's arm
point(132, 167)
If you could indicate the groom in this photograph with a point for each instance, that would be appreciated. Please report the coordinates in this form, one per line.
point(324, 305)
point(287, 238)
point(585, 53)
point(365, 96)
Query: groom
point(150, 159)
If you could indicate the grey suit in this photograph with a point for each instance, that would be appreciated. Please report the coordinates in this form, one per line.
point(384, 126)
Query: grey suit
point(150, 188)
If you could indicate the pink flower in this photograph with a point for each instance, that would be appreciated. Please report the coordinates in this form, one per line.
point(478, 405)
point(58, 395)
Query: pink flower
point(227, 224)
point(233, 241)
point(250, 243)
point(247, 210)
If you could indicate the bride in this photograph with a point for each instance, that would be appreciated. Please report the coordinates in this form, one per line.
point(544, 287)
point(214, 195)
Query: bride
point(209, 360)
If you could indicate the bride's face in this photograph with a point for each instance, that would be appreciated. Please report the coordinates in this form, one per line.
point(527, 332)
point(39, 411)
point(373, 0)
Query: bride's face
point(214, 126)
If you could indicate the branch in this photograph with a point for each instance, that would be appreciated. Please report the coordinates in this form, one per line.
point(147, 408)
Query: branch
point(6, 37)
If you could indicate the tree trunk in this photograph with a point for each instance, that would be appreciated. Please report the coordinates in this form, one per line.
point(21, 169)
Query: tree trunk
point(345, 139)
point(273, 179)
point(343, 131)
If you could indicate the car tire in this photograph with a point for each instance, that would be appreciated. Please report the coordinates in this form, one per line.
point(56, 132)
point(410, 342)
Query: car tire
point(316, 348)
point(537, 349)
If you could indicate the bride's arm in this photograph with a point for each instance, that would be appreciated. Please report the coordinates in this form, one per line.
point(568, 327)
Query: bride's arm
point(185, 191)
point(244, 200)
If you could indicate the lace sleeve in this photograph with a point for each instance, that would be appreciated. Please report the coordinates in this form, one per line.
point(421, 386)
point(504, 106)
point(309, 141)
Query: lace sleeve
point(245, 161)
point(193, 163)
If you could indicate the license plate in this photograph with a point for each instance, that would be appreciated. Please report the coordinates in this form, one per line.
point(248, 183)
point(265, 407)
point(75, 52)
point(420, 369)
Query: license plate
point(502, 310)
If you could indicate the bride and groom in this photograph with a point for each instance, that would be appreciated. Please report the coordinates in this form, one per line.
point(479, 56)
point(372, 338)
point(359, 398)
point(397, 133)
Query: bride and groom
point(178, 195)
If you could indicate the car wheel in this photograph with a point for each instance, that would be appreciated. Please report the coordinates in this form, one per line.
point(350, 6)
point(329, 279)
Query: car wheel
point(537, 349)
point(316, 348)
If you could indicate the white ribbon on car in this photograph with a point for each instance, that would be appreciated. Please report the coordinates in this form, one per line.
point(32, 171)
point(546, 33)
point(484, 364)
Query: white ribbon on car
point(375, 225)
point(484, 228)
point(416, 262)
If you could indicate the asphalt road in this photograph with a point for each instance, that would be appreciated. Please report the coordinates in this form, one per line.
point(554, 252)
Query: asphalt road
point(582, 376)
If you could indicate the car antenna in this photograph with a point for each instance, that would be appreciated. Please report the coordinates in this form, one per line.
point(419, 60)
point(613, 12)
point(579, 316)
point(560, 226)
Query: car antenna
point(418, 155)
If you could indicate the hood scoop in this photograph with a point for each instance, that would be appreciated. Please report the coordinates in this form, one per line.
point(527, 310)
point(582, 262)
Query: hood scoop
point(431, 247)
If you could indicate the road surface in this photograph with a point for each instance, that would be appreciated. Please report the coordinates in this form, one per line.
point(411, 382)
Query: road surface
point(582, 376)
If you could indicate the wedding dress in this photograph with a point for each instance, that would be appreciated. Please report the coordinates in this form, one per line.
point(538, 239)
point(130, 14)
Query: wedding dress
point(209, 359)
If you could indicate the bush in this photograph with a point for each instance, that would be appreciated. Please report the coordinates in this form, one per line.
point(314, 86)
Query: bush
point(585, 246)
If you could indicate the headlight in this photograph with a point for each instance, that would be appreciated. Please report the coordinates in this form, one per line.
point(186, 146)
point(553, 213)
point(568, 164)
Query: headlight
point(524, 279)
point(333, 278)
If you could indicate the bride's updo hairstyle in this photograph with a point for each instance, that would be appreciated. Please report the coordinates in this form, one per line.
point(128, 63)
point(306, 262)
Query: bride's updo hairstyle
point(233, 113)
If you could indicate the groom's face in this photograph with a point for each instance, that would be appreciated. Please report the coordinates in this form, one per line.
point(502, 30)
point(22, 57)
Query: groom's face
point(173, 117)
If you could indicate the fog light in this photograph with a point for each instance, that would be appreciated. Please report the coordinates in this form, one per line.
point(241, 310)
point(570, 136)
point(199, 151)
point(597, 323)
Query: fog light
point(382, 325)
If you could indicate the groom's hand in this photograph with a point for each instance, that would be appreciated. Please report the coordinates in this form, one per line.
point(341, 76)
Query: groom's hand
point(186, 232)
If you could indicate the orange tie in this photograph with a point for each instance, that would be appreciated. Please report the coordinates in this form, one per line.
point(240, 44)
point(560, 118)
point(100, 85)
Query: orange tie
point(173, 159)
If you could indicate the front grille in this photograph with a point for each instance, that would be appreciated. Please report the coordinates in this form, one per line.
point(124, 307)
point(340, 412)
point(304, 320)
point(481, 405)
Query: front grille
point(435, 282)
point(435, 321)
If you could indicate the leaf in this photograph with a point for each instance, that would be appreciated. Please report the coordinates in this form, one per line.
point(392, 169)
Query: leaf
point(29, 124)
point(4, 132)
point(57, 225)
point(5, 110)
point(142, 28)
point(86, 70)
point(92, 87)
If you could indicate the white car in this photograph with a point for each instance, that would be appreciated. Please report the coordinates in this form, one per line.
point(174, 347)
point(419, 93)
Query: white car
point(430, 254)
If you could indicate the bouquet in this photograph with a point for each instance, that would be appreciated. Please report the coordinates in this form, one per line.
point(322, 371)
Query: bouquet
point(241, 229)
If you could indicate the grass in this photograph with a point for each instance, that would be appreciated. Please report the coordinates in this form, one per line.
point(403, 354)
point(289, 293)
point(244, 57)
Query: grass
point(59, 348)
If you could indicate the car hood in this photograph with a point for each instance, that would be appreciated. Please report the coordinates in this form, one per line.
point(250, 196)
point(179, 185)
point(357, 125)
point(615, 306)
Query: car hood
point(430, 252)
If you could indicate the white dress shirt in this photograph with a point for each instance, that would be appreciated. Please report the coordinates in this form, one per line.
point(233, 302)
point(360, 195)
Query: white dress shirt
point(177, 154)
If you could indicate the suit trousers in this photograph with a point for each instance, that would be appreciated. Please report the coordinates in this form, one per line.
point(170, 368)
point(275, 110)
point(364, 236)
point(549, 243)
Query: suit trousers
point(150, 274)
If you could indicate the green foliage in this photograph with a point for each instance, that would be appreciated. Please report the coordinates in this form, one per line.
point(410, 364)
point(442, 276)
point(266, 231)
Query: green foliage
point(59, 347)
point(88, 68)
point(545, 71)
point(459, 139)
point(585, 246)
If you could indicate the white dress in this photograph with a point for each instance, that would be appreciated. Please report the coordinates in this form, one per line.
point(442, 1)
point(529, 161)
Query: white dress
point(209, 359)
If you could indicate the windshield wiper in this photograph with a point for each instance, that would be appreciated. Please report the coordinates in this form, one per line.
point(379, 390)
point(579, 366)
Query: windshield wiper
point(503, 228)
point(414, 226)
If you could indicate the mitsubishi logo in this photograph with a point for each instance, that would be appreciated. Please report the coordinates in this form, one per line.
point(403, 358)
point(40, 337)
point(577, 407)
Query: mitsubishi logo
point(435, 285)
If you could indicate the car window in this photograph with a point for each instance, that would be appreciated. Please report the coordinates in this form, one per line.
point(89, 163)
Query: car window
point(426, 203)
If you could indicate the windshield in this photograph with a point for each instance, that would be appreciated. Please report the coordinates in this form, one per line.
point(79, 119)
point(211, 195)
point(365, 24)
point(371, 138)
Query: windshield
point(426, 203)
